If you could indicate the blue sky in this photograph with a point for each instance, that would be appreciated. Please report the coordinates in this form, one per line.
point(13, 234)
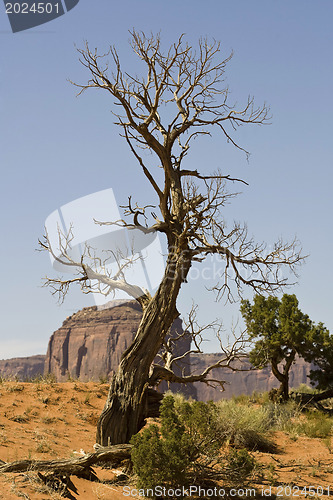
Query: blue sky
point(56, 147)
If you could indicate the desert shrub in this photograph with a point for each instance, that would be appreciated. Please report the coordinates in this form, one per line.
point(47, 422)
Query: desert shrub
point(304, 388)
point(161, 456)
point(47, 379)
point(14, 387)
point(42, 443)
point(259, 397)
point(48, 420)
point(188, 445)
point(282, 416)
point(87, 399)
point(243, 399)
point(239, 464)
point(21, 419)
point(288, 417)
point(245, 426)
point(255, 397)
point(203, 428)
point(315, 425)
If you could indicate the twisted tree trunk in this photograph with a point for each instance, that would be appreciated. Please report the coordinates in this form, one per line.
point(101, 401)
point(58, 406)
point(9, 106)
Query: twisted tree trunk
point(130, 399)
point(283, 377)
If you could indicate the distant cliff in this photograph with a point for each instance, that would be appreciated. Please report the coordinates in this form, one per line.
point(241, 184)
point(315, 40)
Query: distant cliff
point(242, 382)
point(89, 345)
point(22, 368)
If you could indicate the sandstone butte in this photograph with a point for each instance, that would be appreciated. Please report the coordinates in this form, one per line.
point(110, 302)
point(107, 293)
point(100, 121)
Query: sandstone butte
point(89, 345)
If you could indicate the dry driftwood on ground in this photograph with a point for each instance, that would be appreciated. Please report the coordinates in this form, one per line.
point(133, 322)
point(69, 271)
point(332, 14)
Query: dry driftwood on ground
point(74, 466)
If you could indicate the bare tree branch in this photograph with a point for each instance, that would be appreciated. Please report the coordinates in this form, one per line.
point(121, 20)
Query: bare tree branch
point(93, 273)
point(235, 350)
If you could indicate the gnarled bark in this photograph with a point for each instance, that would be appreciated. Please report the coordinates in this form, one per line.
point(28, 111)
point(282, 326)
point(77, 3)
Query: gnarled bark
point(74, 466)
point(127, 405)
point(283, 376)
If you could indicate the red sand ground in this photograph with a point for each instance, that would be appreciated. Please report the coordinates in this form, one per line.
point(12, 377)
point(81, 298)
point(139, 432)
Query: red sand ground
point(49, 420)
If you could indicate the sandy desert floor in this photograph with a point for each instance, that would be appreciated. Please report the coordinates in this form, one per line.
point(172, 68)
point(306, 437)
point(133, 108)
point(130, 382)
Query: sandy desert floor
point(43, 420)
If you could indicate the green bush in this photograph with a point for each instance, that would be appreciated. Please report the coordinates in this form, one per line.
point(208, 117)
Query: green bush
point(204, 431)
point(304, 388)
point(161, 456)
point(188, 444)
point(239, 464)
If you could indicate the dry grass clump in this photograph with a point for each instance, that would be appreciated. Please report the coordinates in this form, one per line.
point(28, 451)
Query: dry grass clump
point(35, 484)
point(314, 425)
point(290, 417)
point(239, 423)
point(246, 426)
point(283, 416)
point(4, 441)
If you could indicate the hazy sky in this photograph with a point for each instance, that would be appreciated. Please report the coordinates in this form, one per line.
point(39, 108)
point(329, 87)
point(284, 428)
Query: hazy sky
point(56, 147)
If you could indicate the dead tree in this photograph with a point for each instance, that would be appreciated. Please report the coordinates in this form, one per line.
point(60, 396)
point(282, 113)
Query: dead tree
point(182, 97)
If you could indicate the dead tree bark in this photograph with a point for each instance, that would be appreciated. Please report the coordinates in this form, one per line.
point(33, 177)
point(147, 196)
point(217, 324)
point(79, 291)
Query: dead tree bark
point(74, 466)
point(128, 404)
point(190, 85)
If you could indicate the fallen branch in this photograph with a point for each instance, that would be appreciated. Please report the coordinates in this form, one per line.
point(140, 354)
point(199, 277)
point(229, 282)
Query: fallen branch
point(307, 400)
point(75, 466)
